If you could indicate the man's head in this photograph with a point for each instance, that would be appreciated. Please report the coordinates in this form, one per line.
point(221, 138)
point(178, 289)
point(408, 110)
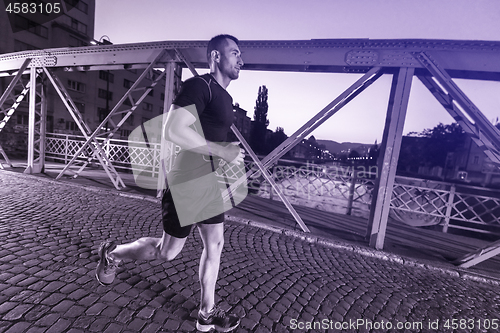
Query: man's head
point(218, 43)
point(224, 57)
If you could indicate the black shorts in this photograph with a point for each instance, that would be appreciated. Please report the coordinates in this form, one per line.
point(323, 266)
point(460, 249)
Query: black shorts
point(199, 207)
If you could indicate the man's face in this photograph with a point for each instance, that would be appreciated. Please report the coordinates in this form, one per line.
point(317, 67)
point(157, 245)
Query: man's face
point(230, 60)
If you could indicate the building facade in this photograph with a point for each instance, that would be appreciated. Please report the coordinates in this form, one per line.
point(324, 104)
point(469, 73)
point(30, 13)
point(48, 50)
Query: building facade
point(94, 93)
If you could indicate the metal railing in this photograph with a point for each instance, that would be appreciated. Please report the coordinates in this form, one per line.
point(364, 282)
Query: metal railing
point(125, 155)
point(414, 201)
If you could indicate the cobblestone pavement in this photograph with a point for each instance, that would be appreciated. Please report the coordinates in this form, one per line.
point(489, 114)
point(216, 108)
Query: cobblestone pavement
point(49, 233)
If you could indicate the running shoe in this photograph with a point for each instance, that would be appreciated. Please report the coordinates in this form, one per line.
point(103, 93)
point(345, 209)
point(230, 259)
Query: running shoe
point(106, 267)
point(217, 319)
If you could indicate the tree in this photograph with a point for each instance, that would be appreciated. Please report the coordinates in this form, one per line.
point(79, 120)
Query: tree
point(433, 147)
point(261, 107)
point(443, 139)
point(277, 138)
point(260, 122)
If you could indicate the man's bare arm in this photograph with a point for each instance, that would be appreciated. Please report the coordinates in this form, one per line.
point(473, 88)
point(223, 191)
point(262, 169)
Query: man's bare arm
point(177, 130)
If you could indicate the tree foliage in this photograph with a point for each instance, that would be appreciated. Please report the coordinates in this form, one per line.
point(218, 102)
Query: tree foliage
point(434, 146)
point(260, 123)
point(261, 107)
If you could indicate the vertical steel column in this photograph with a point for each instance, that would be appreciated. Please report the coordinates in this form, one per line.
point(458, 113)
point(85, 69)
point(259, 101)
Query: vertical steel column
point(167, 149)
point(388, 158)
point(36, 127)
point(39, 163)
point(31, 121)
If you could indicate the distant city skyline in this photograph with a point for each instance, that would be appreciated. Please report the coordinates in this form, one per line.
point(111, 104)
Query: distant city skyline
point(296, 97)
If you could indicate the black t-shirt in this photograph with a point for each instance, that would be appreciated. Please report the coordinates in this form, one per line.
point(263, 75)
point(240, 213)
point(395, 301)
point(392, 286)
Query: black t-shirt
point(213, 108)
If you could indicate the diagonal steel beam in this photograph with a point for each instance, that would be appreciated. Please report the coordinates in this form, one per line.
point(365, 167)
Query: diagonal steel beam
point(14, 81)
point(479, 255)
point(473, 129)
point(92, 137)
point(126, 114)
point(5, 157)
point(228, 192)
point(96, 147)
point(473, 122)
point(187, 62)
point(355, 89)
point(484, 133)
point(10, 111)
point(268, 177)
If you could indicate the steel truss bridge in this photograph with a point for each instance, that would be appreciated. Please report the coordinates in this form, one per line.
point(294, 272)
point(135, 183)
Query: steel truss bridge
point(434, 62)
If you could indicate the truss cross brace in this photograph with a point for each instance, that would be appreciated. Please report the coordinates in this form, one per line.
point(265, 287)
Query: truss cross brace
point(355, 89)
point(227, 193)
point(98, 151)
point(9, 111)
point(126, 113)
point(479, 255)
point(473, 122)
point(349, 94)
point(96, 147)
point(461, 108)
point(268, 177)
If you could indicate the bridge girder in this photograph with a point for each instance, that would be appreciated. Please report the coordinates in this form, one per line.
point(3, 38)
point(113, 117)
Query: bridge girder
point(461, 59)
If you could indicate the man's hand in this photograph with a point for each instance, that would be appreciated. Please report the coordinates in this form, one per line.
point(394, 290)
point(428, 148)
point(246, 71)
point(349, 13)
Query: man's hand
point(233, 153)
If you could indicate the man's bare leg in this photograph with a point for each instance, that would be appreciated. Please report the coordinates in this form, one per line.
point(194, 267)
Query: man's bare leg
point(212, 236)
point(149, 248)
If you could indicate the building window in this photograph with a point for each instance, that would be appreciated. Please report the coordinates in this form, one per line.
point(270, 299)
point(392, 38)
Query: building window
point(76, 86)
point(106, 76)
point(21, 46)
point(78, 4)
point(33, 27)
point(102, 93)
point(71, 126)
point(77, 25)
point(151, 93)
point(75, 42)
point(476, 160)
point(125, 133)
point(102, 113)
point(127, 83)
point(22, 119)
point(130, 119)
point(162, 96)
point(80, 107)
point(148, 107)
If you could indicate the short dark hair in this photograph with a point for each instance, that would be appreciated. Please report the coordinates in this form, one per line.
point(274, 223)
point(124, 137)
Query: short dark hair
point(218, 42)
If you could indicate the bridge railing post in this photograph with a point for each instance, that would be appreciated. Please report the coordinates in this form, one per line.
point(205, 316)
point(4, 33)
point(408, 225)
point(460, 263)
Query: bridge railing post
point(352, 188)
point(449, 207)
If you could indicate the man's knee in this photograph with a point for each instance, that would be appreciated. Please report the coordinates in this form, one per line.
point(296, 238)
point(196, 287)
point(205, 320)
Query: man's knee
point(215, 246)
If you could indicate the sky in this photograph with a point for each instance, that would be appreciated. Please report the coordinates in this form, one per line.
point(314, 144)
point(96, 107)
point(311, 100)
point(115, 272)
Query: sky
point(294, 98)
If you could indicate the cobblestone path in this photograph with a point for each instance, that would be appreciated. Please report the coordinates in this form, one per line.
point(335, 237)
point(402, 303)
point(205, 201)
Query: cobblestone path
point(49, 233)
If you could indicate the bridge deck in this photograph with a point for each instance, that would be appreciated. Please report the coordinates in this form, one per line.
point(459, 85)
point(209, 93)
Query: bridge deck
point(401, 239)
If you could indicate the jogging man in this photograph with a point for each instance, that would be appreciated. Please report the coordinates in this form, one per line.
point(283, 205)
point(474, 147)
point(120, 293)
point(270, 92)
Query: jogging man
point(198, 121)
